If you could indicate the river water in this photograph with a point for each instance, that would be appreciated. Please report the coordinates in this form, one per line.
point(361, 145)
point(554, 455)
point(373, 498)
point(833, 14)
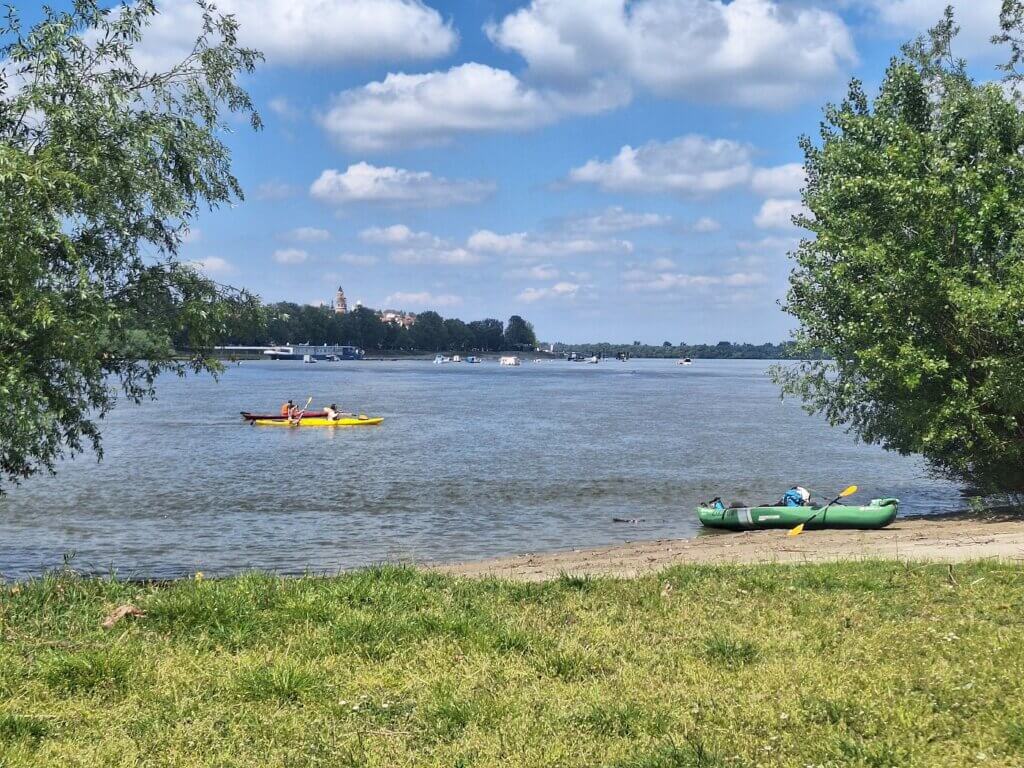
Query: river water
point(472, 461)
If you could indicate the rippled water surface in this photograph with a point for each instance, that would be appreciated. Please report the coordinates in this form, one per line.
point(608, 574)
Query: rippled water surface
point(471, 462)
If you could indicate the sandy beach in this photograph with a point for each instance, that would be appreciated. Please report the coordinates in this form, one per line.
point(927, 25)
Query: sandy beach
point(945, 539)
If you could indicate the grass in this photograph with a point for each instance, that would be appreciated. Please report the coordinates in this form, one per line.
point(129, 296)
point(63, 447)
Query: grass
point(856, 664)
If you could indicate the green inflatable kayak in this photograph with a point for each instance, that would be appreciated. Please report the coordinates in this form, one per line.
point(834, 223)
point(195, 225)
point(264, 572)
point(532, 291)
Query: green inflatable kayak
point(878, 514)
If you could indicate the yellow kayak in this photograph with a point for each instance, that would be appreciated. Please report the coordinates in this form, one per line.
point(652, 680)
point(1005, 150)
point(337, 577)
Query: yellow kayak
point(362, 421)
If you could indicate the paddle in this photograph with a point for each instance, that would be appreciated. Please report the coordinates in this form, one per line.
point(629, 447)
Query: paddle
point(800, 528)
point(302, 412)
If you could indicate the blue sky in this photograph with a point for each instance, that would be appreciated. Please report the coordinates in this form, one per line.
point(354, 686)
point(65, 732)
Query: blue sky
point(611, 170)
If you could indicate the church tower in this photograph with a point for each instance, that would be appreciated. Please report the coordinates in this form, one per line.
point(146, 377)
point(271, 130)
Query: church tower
point(340, 303)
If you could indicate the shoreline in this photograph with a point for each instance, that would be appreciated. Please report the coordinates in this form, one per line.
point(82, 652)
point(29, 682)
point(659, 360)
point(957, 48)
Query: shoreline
point(948, 539)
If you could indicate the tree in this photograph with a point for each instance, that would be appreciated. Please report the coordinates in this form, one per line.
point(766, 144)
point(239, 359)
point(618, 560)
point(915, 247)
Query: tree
point(396, 337)
point(102, 167)
point(460, 338)
point(365, 328)
point(913, 279)
point(429, 333)
point(519, 334)
point(488, 335)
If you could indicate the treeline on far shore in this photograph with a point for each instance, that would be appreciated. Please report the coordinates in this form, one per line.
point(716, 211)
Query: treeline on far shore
point(366, 328)
point(723, 350)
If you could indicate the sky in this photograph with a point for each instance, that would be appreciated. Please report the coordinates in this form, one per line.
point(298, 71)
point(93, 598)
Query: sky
point(612, 170)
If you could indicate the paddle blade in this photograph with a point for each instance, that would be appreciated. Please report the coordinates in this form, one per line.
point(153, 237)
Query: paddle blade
point(848, 492)
point(796, 531)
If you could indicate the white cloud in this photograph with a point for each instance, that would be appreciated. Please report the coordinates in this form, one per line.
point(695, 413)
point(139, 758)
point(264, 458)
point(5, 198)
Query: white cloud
point(365, 183)
point(411, 247)
point(563, 290)
point(778, 214)
point(307, 32)
point(706, 224)
point(213, 266)
point(398, 234)
point(421, 300)
point(275, 190)
point(768, 248)
point(779, 181)
point(526, 245)
point(748, 52)
point(538, 272)
point(616, 219)
point(663, 264)
point(451, 256)
point(978, 19)
point(415, 110)
point(640, 281)
point(690, 165)
point(290, 256)
point(357, 259)
point(308, 235)
point(284, 109)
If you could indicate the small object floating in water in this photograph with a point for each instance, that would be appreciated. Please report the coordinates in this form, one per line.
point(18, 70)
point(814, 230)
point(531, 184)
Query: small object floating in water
point(633, 520)
point(305, 421)
point(686, 361)
point(878, 514)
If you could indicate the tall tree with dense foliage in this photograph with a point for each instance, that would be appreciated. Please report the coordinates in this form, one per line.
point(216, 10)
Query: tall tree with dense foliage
point(429, 332)
point(519, 334)
point(488, 335)
point(102, 166)
point(913, 279)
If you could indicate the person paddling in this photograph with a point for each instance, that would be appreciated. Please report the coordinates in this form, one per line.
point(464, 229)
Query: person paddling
point(288, 410)
point(332, 412)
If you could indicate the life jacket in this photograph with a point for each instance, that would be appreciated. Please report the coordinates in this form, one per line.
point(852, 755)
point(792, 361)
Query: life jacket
point(796, 497)
point(286, 410)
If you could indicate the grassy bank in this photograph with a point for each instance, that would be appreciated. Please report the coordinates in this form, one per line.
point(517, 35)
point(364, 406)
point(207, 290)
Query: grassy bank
point(865, 664)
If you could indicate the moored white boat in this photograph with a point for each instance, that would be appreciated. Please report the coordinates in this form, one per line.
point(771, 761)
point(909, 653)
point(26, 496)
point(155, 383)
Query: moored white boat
point(509, 360)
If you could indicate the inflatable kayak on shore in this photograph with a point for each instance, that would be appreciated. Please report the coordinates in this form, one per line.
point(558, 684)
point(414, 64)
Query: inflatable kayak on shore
point(306, 421)
point(878, 514)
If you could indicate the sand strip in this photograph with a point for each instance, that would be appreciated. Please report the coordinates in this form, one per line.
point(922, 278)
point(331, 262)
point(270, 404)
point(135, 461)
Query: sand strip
point(945, 539)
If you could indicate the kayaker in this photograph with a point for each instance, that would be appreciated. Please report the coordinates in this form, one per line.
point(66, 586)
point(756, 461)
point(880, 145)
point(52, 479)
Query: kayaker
point(797, 496)
point(332, 412)
point(288, 410)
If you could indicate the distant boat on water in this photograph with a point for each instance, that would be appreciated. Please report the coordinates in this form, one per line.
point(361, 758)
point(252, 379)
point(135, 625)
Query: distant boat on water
point(686, 361)
point(441, 359)
point(308, 359)
point(473, 360)
point(509, 360)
